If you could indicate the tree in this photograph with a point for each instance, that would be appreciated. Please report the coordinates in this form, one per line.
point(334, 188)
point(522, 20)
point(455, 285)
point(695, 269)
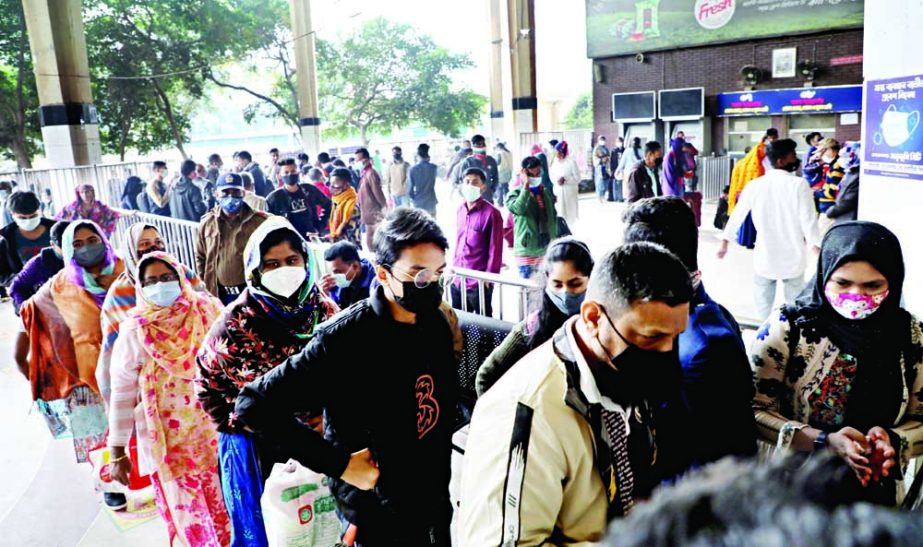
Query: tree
point(386, 76)
point(19, 127)
point(580, 116)
point(151, 60)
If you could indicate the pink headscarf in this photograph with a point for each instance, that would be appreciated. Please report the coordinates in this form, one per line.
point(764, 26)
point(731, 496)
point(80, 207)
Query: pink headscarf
point(536, 149)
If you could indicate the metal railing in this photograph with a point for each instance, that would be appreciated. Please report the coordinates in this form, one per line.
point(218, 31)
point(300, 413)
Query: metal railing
point(106, 178)
point(179, 235)
point(507, 293)
point(714, 175)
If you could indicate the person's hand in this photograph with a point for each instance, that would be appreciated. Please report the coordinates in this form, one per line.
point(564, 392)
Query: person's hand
point(851, 445)
point(327, 283)
point(361, 471)
point(561, 181)
point(723, 249)
point(883, 454)
point(119, 470)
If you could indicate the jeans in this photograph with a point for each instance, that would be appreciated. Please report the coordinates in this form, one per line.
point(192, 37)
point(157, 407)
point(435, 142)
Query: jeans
point(526, 271)
point(401, 201)
point(601, 179)
point(473, 299)
point(502, 190)
point(764, 293)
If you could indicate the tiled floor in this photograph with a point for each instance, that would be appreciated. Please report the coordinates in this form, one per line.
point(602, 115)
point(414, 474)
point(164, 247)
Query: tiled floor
point(47, 500)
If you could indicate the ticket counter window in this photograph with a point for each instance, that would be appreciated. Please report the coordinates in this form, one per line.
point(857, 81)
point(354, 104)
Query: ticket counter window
point(745, 132)
point(800, 126)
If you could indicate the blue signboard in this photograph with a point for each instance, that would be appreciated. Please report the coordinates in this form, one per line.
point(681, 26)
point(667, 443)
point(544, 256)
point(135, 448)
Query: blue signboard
point(894, 142)
point(802, 100)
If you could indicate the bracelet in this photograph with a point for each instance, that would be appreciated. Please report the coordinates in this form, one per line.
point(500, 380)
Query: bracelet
point(120, 458)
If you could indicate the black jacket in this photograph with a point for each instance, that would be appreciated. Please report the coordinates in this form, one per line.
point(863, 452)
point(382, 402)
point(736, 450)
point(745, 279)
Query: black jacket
point(261, 186)
point(847, 201)
point(186, 201)
point(640, 185)
point(400, 405)
point(490, 169)
point(10, 263)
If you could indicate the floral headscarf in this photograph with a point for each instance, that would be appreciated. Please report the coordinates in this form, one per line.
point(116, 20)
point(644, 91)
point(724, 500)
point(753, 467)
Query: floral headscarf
point(98, 212)
point(78, 273)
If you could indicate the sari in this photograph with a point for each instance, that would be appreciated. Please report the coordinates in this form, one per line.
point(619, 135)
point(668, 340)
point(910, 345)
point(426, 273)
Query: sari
point(62, 322)
point(154, 363)
point(99, 212)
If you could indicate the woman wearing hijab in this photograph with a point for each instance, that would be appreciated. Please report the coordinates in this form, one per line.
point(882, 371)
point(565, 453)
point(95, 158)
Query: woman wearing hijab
point(59, 345)
point(87, 207)
point(567, 266)
point(133, 187)
point(139, 240)
point(842, 369)
point(344, 215)
point(566, 177)
point(271, 320)
point(153, 392)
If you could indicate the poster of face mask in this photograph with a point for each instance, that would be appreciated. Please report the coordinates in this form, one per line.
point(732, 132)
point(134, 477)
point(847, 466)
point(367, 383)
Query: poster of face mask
point(893, 132)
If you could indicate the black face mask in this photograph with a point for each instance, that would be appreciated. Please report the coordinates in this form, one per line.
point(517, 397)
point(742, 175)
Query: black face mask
point(792, 167)
point(639, 372)
point(155, 248)
point(658, 162)
point(419, 301)
point(291, 180)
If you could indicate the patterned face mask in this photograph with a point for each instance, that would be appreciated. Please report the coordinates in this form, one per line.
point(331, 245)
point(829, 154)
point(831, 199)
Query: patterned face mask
point(855, 306)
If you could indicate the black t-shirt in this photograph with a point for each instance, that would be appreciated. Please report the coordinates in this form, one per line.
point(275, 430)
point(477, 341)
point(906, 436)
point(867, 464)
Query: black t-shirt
point(301, 208)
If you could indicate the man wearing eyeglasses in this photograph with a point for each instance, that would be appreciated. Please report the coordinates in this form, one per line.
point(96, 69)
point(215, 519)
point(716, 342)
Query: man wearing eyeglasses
point(384, 372)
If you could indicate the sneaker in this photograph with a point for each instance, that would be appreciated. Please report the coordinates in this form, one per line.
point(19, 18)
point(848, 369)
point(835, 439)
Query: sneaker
point(115, 502)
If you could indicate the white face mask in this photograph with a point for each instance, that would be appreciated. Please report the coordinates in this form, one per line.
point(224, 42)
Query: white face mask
point(284, 281)
point(27, 224)
point(163, 294)
point(828, 158)
point(470, 193)
point(535, 182)
point(341, 280)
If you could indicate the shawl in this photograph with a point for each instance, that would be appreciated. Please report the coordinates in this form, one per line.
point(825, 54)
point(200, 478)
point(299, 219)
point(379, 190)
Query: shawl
point(343, 207)
point(747, 169)
point(182, 438)
point(160, 200)
point(99, 212)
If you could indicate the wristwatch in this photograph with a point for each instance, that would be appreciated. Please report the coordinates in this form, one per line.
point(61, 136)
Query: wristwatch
point(820, 442)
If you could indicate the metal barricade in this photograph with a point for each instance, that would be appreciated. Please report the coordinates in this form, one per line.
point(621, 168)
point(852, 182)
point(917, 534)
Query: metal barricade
point(505, 291)
point(179, 235)
point(106, 178)
point(714, 175)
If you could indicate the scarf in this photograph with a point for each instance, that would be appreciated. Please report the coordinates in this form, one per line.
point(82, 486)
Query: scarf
point(747, 169)
point(98, 285)
point(170, 338)
point(160, 200)
point(878, 342)
point(344, 205)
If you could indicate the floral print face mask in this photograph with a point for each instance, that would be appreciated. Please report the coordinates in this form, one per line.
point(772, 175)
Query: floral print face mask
point(855, 306)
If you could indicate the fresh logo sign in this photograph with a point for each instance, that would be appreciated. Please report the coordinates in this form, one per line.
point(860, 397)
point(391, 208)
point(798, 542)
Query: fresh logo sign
point(714, 14)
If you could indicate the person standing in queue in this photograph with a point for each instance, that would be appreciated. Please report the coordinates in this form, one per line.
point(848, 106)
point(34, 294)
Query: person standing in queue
point(299, 202)
point(372, 201)
point(387, 443)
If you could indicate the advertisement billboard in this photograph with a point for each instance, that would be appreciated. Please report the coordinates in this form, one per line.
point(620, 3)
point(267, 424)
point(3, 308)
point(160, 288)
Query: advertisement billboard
point(784, 102)
point(622, 27)
point(682, 104)
point(894, 146)
point(634, 107)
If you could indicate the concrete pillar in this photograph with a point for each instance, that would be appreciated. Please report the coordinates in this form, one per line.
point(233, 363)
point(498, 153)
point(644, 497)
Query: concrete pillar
point(496, 70)
point(306, 74)
point(70, 129)
point(522, 60)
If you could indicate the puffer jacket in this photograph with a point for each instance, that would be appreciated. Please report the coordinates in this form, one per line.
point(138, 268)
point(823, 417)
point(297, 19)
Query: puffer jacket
point(532, 234)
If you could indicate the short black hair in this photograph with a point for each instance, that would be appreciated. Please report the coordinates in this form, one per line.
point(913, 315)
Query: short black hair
point(243, 154)
point(23, 202)
point(214, 158)
point(476, 171)
point(273, 150)
point(287, 161)
point(303, 157)
point(344, 250)
point(339, 162)
point(187, 168)
point(652, 146)
point(397, 149)
point(638, 272)
point(341, 173)
point(323, 157)
point(478, 140)
point(668, 221)
point(363, 151)
point(811, 136)
point(405, 227)
point(157, 164)
point(553, 142)
point(283, 235)
point(776, 150)
point(57, 231)
point(531, 162)
point(772, 132)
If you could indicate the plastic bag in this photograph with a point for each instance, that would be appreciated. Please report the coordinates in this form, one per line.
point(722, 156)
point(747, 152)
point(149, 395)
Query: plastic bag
point(298, 508)
point(100, 459)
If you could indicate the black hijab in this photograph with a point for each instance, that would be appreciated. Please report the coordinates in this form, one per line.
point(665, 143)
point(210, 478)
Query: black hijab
point(877, 342)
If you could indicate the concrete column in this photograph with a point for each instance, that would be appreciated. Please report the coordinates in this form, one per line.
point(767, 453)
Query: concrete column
point(496, 69)
point(70, 129)
point(306, 74)
point(522, 60)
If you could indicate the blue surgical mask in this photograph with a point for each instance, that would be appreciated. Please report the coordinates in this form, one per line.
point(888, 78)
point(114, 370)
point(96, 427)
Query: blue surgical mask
point(535, 182)
point(90, 255)
point(566, 301)
point(163, 294)
point(231, 204)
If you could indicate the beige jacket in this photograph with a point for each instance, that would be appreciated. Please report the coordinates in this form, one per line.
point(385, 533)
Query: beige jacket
point(560, 493)
point(397, 178)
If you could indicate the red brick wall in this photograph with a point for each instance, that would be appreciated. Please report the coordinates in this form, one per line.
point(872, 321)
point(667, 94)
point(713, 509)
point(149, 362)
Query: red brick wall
point(717, 69)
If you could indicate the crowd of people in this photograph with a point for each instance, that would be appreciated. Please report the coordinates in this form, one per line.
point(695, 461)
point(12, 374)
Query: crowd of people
point(625, 377)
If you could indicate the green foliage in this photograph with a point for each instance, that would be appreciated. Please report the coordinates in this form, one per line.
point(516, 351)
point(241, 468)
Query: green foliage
point(387, 76)
point(580, 116)
point(19, 125)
